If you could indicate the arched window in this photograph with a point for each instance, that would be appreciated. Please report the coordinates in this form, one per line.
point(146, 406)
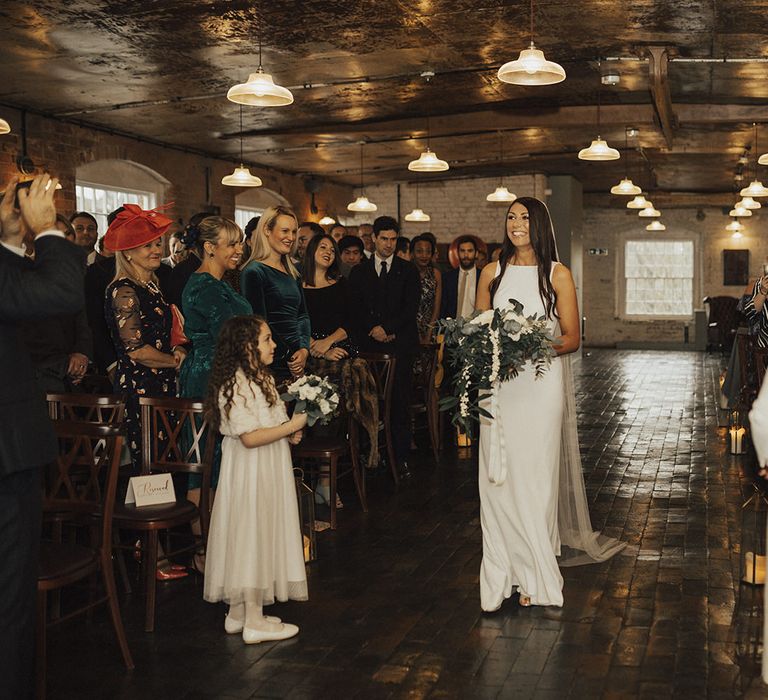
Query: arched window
point(104, 185)
point(253, 202)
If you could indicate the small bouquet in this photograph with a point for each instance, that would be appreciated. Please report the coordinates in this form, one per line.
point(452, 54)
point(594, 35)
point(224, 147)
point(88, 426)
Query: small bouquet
point(315, 396)
point(488, 347)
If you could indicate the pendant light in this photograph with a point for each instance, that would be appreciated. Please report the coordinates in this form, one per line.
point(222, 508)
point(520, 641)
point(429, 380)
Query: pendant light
point(417, 214)
point(649, 211)
point(531, 68)
point(739, 211)
point(626, 187)
point(362, 203)
point(655, 225)
point(735, 225)
point(5, 127)
point(763, 159)
point(260, 90)
point(755, 188)
point(501, 193)
point(327, 221)
point(598, 150)
point(428, 162)
point(241, 177)
point(639, 202)
point(748, 203)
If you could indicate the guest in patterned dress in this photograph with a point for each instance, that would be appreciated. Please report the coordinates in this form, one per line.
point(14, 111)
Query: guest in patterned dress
point(138, 317)
point(423, 253)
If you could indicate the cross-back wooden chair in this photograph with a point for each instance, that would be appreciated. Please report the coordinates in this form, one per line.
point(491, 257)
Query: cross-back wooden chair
point(425, 398)
point(175, 439)
point(82, 483)
point(93, 408)
point(382, 368)
point(761, 363)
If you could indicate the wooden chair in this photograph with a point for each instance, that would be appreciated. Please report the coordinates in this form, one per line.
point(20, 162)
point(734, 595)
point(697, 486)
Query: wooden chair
point(95, 450)
point(106, 409)
point(723, 319)
point(425, 397)
point(331, 450)
point(382, 368)
point(173, 432)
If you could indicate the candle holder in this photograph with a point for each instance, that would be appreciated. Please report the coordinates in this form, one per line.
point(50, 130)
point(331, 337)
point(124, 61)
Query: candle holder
point(306, 501)
point(737, 435)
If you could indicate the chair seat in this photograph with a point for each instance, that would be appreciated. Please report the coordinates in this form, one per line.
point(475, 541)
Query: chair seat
point(64, 562)
point(154, 517)
point(320, 447)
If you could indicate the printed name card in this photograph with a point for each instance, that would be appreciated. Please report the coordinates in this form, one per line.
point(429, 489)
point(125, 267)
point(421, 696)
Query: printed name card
point(151, 490)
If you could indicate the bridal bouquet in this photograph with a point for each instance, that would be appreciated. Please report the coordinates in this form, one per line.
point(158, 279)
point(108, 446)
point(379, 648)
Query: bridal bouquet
point(315, 396)
point(487, 347)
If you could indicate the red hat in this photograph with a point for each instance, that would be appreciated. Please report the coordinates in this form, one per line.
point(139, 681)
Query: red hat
point(133, 227)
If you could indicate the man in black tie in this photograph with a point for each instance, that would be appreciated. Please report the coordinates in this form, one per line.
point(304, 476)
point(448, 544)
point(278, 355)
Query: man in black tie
point(460, 285)
point(385, 290)
point(52, 285)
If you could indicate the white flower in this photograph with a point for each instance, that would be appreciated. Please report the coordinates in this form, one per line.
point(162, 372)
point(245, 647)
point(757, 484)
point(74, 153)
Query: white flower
point(483, 319)
point(325, 407)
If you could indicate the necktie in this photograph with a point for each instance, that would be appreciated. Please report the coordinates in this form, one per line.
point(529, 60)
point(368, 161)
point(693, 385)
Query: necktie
point(383, 273)
point(462, 294)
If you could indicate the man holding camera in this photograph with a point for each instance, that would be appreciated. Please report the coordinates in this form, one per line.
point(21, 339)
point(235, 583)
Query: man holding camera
point(52, 285)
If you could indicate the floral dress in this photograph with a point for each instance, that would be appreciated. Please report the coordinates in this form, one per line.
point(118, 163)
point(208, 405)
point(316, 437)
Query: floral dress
point(428, 288)
point(137, 315)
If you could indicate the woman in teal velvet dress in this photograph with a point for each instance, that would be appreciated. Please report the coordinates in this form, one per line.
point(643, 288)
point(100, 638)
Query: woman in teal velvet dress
point(272, 285)
point(208, 301)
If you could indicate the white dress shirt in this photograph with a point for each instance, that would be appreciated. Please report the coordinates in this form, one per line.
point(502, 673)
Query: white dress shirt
point(377, 264)
point(468, 302)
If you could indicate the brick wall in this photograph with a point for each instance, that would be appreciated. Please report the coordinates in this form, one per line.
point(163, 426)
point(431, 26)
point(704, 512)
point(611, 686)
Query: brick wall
point(456, 206)
point(606, 228)
point(60, 148)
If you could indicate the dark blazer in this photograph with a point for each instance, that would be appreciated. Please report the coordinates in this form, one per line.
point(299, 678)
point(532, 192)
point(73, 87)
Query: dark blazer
point(97, 278)
point(392, 305)
point(450, 298)
point(54, 285)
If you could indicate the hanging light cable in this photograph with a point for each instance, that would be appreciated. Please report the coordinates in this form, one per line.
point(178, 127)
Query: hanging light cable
point(501, 193)
point(626, 187)
point(599, 149)
point(417, 214)
point(428, 162)
point(362, 203)
point(260, 90)
point(755, 188)
point(531, 68)
point(241, 177)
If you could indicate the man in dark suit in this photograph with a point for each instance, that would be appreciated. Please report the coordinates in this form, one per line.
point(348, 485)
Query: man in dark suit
point(385, 290)
point(460, 285)
point(53, 285)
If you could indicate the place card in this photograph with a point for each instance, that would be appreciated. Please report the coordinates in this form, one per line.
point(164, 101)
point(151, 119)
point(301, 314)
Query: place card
point(151, 490)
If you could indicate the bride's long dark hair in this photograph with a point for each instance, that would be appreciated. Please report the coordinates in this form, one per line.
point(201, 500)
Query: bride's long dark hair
point(543, 243)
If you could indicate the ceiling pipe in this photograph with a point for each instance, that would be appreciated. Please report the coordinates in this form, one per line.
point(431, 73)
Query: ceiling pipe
point(680, 59)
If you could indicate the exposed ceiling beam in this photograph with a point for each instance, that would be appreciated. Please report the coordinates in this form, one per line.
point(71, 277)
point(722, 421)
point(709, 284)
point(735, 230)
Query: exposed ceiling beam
point(658, 65)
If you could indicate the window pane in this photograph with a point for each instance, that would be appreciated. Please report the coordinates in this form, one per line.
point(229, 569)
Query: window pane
point(100, 200)
point(659, 277)
point(243, 215)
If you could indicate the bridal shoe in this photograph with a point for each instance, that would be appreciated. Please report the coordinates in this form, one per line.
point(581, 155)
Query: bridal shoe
point(285, 631)
point(524, 601)
point(232, 626)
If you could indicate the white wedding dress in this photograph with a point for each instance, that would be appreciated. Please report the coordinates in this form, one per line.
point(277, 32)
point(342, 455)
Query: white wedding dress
point(533, 506)
point(519, 516)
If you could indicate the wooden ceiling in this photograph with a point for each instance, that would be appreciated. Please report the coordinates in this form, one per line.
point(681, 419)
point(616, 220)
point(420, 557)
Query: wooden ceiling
point(160, 69)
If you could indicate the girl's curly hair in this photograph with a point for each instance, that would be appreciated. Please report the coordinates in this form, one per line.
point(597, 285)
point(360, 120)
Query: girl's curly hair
point(237, 350)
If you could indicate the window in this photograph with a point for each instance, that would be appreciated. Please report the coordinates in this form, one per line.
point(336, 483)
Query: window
point(244, 214)
point(100, 200)
point(659, 277)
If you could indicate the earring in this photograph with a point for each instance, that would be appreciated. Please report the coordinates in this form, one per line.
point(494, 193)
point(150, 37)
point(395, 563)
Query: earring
point(210, 255)
point(128, 258)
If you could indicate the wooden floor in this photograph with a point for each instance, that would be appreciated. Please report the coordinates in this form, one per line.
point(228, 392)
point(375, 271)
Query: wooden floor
point(394, 604)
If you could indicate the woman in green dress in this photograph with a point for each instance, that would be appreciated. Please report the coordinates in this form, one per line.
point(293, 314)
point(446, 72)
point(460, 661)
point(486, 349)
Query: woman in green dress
point(208, 301)
point(272, 285)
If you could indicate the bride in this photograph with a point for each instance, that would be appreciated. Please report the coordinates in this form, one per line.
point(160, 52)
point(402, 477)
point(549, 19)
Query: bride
point(533, 506)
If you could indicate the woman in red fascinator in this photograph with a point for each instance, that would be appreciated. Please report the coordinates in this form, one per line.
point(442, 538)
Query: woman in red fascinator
point(139, 319)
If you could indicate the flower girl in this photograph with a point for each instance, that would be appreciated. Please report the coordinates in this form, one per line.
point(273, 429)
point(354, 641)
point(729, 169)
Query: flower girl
point(255, 553)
